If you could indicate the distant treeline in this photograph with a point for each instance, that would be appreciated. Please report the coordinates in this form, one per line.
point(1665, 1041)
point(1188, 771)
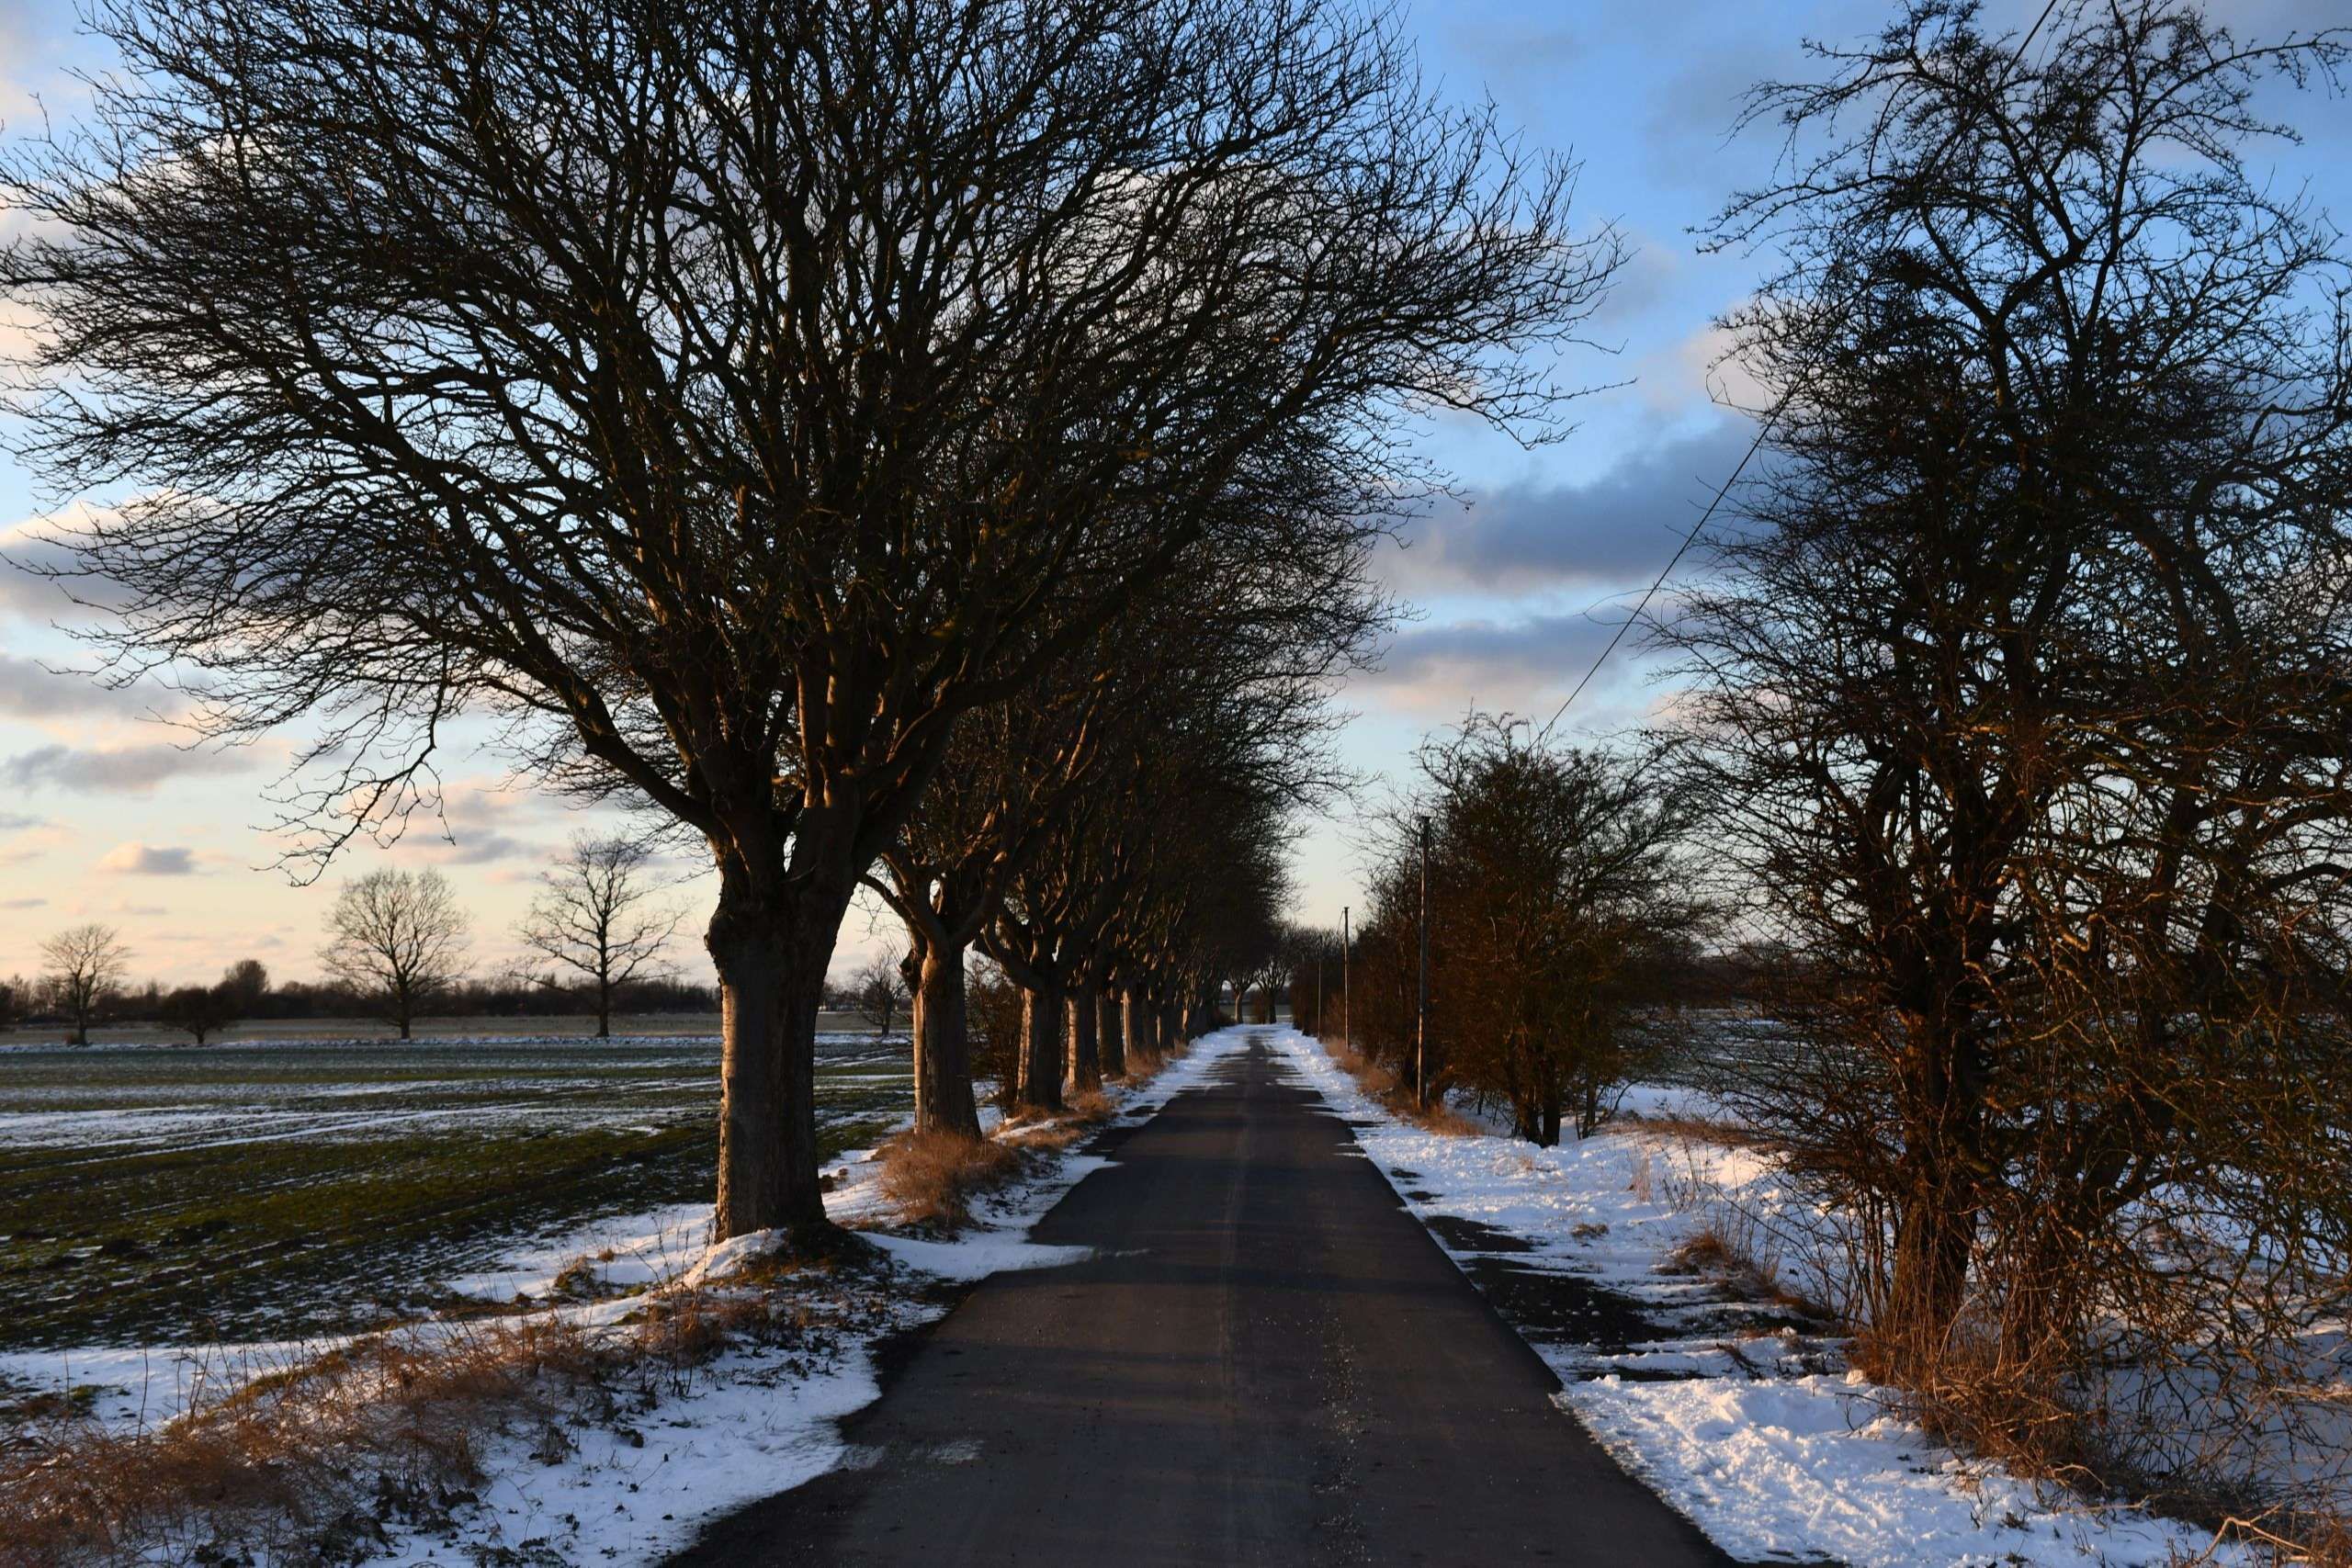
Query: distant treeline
point(246, 997)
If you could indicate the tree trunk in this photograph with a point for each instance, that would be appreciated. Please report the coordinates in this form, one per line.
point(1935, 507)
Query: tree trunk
point(1933, 1238)
point(1085, 1049)
point(1142, 1037)
point(943, 1046)
point(1040, 1087)
point(771, 979)
point(603, 1009)
point(1108, 1035)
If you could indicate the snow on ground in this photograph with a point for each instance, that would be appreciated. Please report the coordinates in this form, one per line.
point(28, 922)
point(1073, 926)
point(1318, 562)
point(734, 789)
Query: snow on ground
point(753, 1428)
point(757, 1421)
point(1753, 1430)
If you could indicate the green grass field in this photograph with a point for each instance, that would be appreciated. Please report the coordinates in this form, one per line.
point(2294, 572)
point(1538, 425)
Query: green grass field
point(284, 1188)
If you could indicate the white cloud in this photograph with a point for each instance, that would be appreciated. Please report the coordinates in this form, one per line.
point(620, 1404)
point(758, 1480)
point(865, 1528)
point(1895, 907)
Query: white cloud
point(135, 859)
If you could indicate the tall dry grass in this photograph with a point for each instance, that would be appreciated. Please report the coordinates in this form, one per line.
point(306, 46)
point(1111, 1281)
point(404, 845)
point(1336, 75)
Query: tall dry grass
point(1381, 1082)
point(933, 1175)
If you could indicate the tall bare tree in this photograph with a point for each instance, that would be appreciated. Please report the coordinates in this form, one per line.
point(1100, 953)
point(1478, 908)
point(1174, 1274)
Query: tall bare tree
point(85, 964)
point(733, 392)
point(399, 941)
point(592, 916)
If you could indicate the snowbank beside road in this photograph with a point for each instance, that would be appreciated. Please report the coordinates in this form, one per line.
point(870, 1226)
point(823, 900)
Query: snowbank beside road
point(630, 1452)
point(1747, 1425)
point(759, 1423)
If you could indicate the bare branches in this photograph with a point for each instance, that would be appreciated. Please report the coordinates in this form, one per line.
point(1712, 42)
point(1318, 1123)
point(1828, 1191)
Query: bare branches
point(84, 964)
point(398, 940)
point(2021, 710)
point(591, 917)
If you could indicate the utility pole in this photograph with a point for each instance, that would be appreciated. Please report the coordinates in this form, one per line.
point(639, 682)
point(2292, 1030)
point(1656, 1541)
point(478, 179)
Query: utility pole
point(1421, 1030)
point(1346, 1024)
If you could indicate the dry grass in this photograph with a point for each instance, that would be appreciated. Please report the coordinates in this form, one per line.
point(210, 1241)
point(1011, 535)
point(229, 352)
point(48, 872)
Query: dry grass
point(1743, 1271)
point(933, 1177)
point(1692, 1129)
point(1053, 1131)
point(1380, 1081)
point(1142, 1066)
point(309, 1463)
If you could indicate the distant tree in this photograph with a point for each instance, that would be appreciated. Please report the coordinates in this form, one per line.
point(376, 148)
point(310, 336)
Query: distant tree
point(85, 966)
point(879, 987)
point(399, 941)
point(16, 1000)
point(200, 1010)
point(246, 984)
point(592, 916)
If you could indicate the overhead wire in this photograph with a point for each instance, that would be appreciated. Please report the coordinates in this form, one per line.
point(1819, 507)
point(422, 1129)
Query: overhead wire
point(1764, 426)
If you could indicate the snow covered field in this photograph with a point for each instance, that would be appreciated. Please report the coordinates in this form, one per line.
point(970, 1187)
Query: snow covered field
point(287, 1190)
point(1739, 1417)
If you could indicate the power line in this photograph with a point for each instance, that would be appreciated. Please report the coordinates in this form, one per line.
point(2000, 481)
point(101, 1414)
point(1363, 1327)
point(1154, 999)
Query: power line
point(1763, 428)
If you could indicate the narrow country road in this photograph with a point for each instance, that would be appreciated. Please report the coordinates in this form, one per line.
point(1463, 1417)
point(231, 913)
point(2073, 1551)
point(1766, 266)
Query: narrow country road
point(1269, 1361)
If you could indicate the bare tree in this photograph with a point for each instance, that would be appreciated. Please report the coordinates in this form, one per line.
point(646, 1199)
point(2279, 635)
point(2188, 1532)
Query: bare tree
point(85, 966)
point(591, 917)
point(733, 393)
point(880, 988)
point(2023, 685)
point(399, 942)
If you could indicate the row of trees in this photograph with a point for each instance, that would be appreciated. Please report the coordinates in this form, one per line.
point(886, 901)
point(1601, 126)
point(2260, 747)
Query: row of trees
point(398, 948)
point(755, 403)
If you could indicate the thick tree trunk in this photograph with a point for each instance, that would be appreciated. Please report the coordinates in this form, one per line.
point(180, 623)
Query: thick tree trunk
point(1110, 1034)
point(1085, 1060)
point(604, 1009)
point(1040, 1087)
point(771, 964)
point(942, 1031)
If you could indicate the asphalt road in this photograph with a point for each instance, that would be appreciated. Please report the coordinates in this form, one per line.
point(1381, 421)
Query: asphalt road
point(1269, 1361)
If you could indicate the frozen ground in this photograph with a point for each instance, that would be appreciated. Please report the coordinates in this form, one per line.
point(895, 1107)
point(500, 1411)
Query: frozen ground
point(1735, 1412)
point(288, 1189)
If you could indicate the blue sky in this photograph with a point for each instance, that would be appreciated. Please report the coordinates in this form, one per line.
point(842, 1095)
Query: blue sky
point(101, 817)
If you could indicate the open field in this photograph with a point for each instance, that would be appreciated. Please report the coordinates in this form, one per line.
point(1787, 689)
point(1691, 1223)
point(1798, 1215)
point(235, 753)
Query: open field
point(288, 1187)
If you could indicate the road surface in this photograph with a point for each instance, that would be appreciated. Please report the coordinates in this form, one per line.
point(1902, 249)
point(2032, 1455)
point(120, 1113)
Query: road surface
point(1269, 1361)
